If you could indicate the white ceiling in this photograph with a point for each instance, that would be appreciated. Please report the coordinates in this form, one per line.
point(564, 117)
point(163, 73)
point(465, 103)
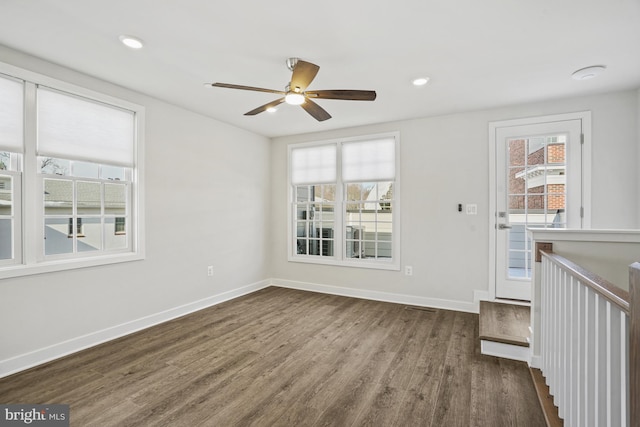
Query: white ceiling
point(478, 54)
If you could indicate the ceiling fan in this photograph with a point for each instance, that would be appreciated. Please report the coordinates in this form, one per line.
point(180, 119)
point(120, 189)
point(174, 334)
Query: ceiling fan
point(295, 92)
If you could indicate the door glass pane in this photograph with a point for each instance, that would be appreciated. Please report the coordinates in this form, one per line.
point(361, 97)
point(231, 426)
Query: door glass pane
point(536, 185)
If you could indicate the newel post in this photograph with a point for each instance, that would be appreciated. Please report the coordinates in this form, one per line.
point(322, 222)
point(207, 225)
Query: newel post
point(634, 343)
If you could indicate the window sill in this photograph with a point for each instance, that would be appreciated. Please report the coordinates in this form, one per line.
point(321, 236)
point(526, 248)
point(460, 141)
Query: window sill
point(371, 265)
point(19, 270)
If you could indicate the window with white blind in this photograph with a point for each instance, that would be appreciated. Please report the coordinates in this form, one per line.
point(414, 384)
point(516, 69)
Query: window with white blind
point(343, 198)
point(75, 157)
point(11, 149)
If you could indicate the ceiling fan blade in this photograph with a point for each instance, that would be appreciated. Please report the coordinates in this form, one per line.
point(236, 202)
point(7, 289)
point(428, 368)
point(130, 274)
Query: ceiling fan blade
point(265, 107)
point(350, 95)
point(303, 74)
point(255, 89)
point(315, 110)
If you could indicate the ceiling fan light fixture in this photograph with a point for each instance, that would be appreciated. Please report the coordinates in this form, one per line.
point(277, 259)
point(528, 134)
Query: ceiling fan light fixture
point(294, 98)
point(588, 72)
point(272, 110)
point(131, 42)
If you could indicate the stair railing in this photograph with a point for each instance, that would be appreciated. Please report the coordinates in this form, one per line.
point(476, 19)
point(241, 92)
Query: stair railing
point(590, 343)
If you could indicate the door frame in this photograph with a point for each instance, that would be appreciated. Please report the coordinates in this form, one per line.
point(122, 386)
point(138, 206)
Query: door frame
point(585, 117)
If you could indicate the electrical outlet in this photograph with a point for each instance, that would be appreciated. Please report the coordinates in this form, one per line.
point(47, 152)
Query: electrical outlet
point(210, 270)
point(408, 270)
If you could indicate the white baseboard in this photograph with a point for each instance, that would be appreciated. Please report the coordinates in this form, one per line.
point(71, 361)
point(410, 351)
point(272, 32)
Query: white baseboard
point(506, 351)
point(481, 296)
point(468, 307)
point(46, 354)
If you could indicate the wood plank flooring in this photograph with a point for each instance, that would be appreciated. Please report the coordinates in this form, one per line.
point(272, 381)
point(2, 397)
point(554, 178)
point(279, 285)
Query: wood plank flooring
point(282, 357)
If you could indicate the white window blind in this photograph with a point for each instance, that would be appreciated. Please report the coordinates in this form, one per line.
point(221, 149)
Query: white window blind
point(373, 160)
point(75, 128)
point(313, 165)
point(11, 110)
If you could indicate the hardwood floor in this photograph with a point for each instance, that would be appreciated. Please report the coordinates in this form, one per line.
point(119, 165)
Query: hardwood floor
point(282, 357)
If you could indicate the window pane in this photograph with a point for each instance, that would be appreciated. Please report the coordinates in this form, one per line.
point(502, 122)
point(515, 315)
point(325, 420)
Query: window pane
point(303, 212)
point(314, 247)
point(304, 193)
point(384, 232)
point(6, 162)
point(327, 193)
point(301, 229)
point(58, 197)
point(88, 196)
point(51, 166)
point(326, 248)
point(6, 195)
point(384, 250)
point(6, 238)
point(115, 199)
point(115, 234)
point(89, 234)
point(301, 246)
point(114, 173)
point(86, 170)
point(327, 230)
point(359, 191)
point(56, 235)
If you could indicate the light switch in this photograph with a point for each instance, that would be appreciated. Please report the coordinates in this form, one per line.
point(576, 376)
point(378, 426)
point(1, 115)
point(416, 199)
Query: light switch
point(472, 209)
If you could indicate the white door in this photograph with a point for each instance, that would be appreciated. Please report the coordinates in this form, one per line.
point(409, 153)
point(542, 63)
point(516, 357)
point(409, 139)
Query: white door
point(538, 183)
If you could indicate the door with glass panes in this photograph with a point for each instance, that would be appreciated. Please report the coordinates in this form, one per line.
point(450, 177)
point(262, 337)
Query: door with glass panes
point(538, 185)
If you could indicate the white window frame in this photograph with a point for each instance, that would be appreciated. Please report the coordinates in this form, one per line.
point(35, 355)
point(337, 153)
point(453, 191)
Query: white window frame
point(339, 247)
point(32, 214)
point(16, 200)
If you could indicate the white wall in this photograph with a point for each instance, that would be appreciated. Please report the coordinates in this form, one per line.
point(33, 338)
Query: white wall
point(444, 161)
point(207, 191)
point(213, 190)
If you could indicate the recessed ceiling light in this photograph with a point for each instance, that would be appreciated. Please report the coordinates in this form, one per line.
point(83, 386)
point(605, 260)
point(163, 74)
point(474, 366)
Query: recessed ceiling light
point(588, 72)
point(131, 41)
point(421, 81)
point(272, 110)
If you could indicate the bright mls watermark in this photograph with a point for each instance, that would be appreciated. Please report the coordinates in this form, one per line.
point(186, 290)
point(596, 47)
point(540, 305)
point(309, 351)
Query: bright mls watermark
point(34, 415)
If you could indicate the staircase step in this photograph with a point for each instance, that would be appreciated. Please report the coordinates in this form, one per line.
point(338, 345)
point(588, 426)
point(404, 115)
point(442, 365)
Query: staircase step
point(505, 323)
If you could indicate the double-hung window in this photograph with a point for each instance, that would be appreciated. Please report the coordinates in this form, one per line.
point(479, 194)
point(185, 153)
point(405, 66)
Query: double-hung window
point(11, 148)
point(70, 169)
point(344, 198)
point(85, 164)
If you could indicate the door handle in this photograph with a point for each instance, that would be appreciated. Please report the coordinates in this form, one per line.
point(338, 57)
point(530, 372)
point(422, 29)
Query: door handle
point(503, 227)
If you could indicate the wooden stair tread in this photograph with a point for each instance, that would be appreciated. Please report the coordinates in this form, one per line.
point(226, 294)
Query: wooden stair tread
point(505, 323)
